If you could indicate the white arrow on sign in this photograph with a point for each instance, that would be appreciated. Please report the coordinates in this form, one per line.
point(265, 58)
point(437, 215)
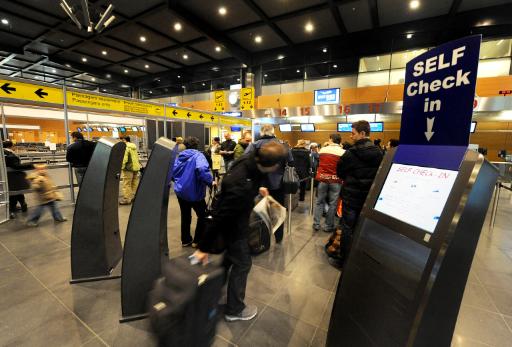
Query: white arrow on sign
point(430, 124)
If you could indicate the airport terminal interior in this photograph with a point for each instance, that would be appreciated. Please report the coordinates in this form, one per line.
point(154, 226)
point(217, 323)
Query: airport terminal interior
point(158, 79)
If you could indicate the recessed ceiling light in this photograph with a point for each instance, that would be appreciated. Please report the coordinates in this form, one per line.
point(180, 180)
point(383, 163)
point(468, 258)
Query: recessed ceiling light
point(73, 84)
point(93, 79)
point(258, 39)
point(204, 84)
point(499, 42)
point(309, 27)
point(177, 26)
point(484, 23)
point(5, 21)
point(150, 92)
point(103, 90)
point(238, 79)
point(108, 75)
point(84, 59)
point(54, 71)
point(185, 56)
point(38, 77)
point(378, 58)
point(414, 4)
point(104, 52)
point(298, 71)
point(146, 66)
point(67, 65)
point(265, 75)
point(217, 48)
point(324, 50)
point(222, 11)
point(125, 70)
point(142, 39)
point(409, 36)
point(335, 66)
point(280, 56)
point(179, 76)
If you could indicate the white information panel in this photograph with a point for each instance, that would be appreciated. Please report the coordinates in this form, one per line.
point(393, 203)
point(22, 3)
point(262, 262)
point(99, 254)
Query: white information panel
point(416, 195)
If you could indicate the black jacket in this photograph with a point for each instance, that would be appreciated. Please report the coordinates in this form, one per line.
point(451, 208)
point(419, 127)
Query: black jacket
point(228, 145)
point(15, 171)
point(357, 168)
point(234, 203)
point(80, 152)
point(302, 161)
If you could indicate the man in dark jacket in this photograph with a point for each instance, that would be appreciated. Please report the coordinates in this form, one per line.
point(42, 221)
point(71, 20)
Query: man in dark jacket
point(16, 178)
point(79, 154)
point(357, 168)
point(302, 160)
point(231, 219)
point(227, 150)
point(273, 180)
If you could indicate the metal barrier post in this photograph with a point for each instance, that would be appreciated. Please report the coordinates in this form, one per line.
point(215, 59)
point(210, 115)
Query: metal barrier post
point(289, 219)
point(495, 203)
point(312, 196)
point(66, 127)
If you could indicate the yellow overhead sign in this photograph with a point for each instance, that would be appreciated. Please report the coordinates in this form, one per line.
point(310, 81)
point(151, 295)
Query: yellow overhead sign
point(235, 121)
point(30, 92)
point(178, 113)
point(78, 99)
point(246, 99)
point(219, 101)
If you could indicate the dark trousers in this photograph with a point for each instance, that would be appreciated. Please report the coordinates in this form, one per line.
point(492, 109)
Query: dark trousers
point(302, 189)
point(186, 218)
point(348, 222)
point(79, 173)
point(238, 262)
point(13, 201)
point(278, 194)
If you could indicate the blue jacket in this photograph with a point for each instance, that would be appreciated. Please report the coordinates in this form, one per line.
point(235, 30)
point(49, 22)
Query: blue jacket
point(191, 174)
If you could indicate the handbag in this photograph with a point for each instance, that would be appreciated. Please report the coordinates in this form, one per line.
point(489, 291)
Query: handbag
point(291, 180)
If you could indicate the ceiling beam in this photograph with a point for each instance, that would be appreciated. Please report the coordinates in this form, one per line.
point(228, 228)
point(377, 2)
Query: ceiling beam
point(374, 11)
point(455, 7)
point(93, 71)
point(337, 17)
point(266, 20)
point(25, 69)
point(7, 59)
point(208, 30)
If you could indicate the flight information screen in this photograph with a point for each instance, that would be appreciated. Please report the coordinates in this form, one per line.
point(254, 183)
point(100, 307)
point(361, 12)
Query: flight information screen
point(416, 195)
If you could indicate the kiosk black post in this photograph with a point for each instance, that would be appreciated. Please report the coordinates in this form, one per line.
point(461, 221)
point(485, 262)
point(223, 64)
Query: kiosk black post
point(95, 241)
point(146, 236)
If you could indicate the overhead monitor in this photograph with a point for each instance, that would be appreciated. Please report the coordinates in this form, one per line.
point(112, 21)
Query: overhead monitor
point(344, 127)
point(327, 96)
point(473, 127)
point(135, 129)
point(307, 127)
point(122, 129)
point(376, 127)
point(79, 130)
point(106, 129)
point(99, 129)
point(285, 128)
point(236, 128)
point(416, 195)
point(91, 129)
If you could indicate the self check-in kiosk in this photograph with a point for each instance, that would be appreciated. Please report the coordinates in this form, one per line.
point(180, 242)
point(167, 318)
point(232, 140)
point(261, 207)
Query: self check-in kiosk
point(414, 243)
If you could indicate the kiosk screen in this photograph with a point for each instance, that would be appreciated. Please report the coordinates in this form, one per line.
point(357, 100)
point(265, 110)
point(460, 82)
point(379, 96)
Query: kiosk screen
point(416, 195)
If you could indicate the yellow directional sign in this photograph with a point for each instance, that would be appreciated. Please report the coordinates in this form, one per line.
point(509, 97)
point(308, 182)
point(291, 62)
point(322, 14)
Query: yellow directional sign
point(220, 101)
point(78, 99)
point(178, 113)
point(30, 92)
point(246, 99)
point(235, 121)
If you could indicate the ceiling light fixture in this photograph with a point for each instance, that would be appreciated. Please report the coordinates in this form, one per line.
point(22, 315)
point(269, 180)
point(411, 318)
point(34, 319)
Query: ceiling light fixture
point(204, 84)
point(265, 75)
point(108, 75)
point(150, 92)
point(67, 65)
point(378, 58)
point(87, 17)
point(142, 39)
point(298, 71)
point(324, 50)
point(335, 66)
point(177, 26)
point(106, 19)
point(104, 52)
point(217, 48)
point(223, 11)
point(146, 66)
point(71, 15)
point(93, 79)
point(280, 56)
point(179, 76)
point(125, 70)
point(54, 71)
point(258, 39)
point(238, 79)
point(5, 21)
point(185, 56)
point(414, 4)
point(409, 36)
point(84, 59)
point(309, 27)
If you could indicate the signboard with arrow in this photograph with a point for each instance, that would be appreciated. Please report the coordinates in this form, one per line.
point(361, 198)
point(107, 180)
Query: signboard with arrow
point(30, 92)
point(219, 101)
point(246, 99)
point(438, 94)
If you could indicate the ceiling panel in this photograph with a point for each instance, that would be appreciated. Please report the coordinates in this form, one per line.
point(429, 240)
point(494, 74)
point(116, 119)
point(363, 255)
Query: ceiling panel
point(53, 70)
point(164, 21)
point(208, 47)
point(19, 64)
point(356, 16)
point(4, 70)
point(141, 65)
point(118, 69)
point(270, 39)
point(95, 50)
point(41, 48)
point(60, 39)
point(45, 7)
point(30, 12)
point(178, 55)
point(21, 26)
point(467, 5)
point(238, 13)
point(164, 62)
point(13, 40)
point(76, 57)
point(398, 11)
point(131, 34)
point(323, 22)
point(278, 7)
point(130, 8)
point(125, 47)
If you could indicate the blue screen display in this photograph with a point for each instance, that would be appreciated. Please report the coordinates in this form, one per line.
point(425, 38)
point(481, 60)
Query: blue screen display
point(376, 127)
point(344, 127)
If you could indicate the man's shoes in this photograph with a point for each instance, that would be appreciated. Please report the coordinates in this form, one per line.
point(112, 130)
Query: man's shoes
point(63, 219)
point(248, 313)
point(316, 227)
point(186, 244)
point(24, 207)
point(12, 215)
point(32, 224)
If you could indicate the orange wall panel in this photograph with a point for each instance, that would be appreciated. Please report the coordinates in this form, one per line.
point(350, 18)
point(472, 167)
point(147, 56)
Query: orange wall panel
point(491, 86)
point(204, 105)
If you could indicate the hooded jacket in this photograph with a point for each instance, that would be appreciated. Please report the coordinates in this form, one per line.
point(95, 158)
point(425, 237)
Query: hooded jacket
point(131, 158)
point(357, 168)
point(191, 174)
point(44, 186)
point(240, 148)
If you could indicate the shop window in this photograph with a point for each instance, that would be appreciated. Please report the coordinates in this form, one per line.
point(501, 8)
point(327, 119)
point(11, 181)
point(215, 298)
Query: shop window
point(495, 49)
point(494, 67)
point(369, 79)
point(397, 76)
point(377, 63)
point(400, 59)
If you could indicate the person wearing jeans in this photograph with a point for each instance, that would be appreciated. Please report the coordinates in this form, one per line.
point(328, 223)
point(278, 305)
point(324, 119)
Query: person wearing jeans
point(329, 183)
point(186, 208)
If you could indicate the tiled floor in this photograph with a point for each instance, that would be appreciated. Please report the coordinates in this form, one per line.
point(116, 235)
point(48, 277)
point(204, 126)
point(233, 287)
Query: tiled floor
point(292, 285)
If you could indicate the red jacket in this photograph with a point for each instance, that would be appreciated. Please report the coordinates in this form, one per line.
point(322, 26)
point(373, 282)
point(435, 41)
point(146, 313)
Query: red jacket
point(329, 157)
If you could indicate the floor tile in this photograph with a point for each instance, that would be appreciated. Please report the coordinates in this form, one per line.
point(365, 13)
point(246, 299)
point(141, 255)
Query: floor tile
point(483, 326)
point(95, 342)
point(53, 269)
point(462, 341)
point(476, 295)
point(302, 301)
point(219, 342)
point(320, 338)
point(319, 274)
point(274, 328)
point(233, 331)
point(502, 298)
point(263, 284)
point(136, 333)
point(29, 243)
point(326, 316)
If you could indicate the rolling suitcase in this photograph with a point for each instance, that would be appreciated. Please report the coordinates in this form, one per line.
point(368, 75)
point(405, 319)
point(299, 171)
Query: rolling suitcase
point(183, 305)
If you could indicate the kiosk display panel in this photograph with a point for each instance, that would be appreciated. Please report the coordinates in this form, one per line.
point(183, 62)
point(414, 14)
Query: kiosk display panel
point(307, 128)
point(284, 128)
point(416, 195)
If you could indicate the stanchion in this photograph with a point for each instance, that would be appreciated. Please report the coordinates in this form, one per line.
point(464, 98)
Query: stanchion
point(289, 220)
point(312, 196)
point(495, 204)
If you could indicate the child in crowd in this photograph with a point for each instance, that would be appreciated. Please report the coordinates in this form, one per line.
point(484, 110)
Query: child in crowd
point(47, 195)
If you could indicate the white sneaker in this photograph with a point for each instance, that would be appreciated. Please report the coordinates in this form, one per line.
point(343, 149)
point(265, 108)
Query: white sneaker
point(248, 313)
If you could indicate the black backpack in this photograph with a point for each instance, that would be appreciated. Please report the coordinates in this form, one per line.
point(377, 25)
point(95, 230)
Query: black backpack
point(259, 234)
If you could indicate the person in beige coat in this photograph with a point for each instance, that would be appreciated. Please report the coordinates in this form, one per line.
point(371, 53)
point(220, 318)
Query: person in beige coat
point(47, 194)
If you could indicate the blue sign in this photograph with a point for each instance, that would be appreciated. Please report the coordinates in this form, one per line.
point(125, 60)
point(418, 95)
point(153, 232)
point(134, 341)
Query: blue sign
point(438, 94)
point(236, 128)
point(376, 127)
point(344, 127)
point(233, 114)
point(327, 96)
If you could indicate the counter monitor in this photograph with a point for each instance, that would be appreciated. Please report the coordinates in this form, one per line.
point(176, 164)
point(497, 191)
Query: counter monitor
point(344, 127)
point(284, 128)
point(135, 129)
point(307, 128)
point(376, 127)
